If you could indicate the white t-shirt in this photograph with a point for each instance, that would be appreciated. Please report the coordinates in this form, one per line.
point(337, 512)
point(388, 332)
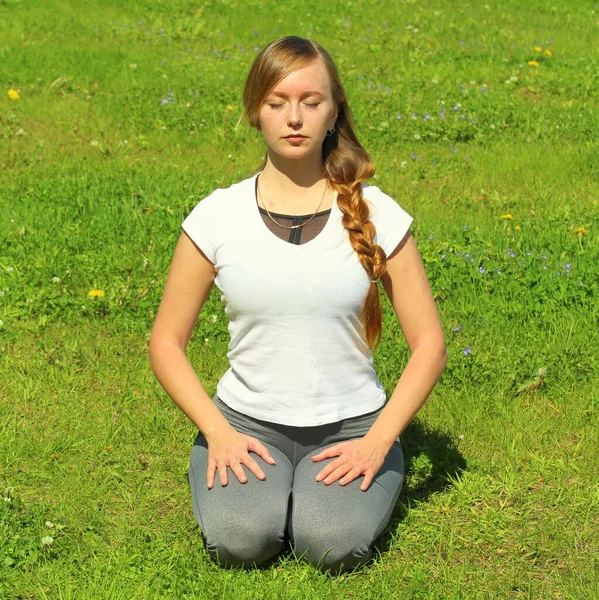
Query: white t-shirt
point(298, 353)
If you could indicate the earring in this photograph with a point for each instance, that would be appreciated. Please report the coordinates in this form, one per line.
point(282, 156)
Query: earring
point(331, 132)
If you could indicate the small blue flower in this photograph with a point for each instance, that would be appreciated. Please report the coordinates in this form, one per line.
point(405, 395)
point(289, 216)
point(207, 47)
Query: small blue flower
point(481, 269)
point(467, 351)
point(426, 117)
point(431, 236)
point(457, 328)
point(528, 253)
point(483, 88)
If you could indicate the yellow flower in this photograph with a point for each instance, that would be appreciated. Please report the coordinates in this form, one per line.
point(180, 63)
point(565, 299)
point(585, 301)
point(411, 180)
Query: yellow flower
point(538, 48)
point(95, 293)
point(13, 94)
point(518, 227)
point(548, 52)
point(229, 108)
point(581, 231)
point(534, 63)
point(507, 217)
point(53, 456)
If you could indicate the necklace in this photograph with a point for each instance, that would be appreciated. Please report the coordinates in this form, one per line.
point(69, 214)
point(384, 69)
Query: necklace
point(290, 226)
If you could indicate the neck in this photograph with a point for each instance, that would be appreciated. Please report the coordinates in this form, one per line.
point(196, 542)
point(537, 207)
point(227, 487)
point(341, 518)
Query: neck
point(289, 175)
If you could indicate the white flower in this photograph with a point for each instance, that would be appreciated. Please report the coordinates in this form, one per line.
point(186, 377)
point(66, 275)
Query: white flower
point(133, 66)
point(55, 279)
point(94, 143)
point(213, 318)
point(29, 300)
point(49, 524)
point(416, 136)
point(461, 436)
point(47, 540)
point(21, 131)
point(10, 269)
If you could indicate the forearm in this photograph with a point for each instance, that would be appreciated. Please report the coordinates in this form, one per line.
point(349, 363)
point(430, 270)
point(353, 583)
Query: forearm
point(425, 366)
point(179, 380)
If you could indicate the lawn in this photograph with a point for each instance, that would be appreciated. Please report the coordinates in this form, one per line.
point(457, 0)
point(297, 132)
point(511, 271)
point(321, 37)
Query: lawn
point(482, 119)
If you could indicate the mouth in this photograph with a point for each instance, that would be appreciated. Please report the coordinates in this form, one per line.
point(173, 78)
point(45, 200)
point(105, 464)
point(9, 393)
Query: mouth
point(295, 137)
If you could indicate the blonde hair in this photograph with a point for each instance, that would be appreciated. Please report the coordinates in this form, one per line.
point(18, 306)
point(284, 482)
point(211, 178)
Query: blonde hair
point(346, 162)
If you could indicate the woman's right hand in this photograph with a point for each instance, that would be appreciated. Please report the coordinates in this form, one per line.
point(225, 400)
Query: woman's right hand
point(231, 449)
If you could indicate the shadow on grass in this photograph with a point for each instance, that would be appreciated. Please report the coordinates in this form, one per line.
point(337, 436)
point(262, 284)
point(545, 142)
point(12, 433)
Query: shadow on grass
point(431, 459)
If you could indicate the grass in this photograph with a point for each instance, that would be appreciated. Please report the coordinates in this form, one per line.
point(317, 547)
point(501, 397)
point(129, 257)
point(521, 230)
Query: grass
point(127, 116)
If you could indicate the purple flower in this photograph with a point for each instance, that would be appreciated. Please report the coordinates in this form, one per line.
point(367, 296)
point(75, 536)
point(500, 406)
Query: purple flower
point(462, 42)
point(512, 254)
point(457, 328)
point(467, 351)
point(431, 236)
point(481, 269)
point(483, 88)
point(426, 117)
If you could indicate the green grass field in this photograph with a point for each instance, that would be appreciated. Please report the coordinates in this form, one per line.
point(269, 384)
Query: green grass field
point(482, 119)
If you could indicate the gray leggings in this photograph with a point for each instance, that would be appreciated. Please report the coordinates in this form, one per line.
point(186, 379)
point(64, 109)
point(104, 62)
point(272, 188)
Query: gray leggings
point(333, 527)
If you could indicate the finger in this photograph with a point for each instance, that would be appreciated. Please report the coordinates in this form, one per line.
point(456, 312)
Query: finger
point(254, 467)
point(238, 471)
point(337, 473)
point(349, 477)
point(210, 473)
point(328, 469)
point(261, 450)
point(222, 472)
point(328, 452)
point(368, 477)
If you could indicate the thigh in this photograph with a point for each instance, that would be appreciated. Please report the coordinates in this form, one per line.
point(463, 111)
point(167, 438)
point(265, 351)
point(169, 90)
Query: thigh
point(334, 524)
point(245, 522)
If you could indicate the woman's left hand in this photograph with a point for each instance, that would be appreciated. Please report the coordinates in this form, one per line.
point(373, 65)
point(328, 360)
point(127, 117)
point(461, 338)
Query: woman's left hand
point(362, 456)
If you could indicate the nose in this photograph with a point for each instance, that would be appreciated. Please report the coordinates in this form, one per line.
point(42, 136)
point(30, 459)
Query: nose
point(294, 115)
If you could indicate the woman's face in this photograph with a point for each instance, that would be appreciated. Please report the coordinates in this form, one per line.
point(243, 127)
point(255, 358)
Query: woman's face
point(298, 112)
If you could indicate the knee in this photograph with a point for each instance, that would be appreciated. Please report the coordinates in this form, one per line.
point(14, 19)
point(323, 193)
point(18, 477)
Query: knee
point(243, 544)
point(334, 549)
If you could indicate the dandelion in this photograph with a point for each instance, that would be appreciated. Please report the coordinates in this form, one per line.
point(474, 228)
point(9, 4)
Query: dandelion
point(13, 94)
point(518, 228)
point(47, 541)
point(538, 48)
point(229, 107)
point(533, 63)
point(581, 231)
point(548, 52)
point(467, 351)
point(507, 217)
point(95, 294)
point(53, 456)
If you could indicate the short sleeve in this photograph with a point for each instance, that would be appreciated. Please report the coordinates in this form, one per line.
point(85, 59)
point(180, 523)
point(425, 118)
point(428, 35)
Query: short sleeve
point(392, 222)
point(200, 225)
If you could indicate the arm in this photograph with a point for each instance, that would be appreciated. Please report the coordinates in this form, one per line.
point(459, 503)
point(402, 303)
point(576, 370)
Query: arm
point(187, 287)
point(407, 287)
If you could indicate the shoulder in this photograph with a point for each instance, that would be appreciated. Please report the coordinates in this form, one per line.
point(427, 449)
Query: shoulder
point(223, 199)
point(381, 204)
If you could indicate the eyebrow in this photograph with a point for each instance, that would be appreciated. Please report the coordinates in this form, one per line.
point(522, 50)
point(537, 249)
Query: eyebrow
point(311, 93)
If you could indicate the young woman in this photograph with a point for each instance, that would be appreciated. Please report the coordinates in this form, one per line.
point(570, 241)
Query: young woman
point(300, 443)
